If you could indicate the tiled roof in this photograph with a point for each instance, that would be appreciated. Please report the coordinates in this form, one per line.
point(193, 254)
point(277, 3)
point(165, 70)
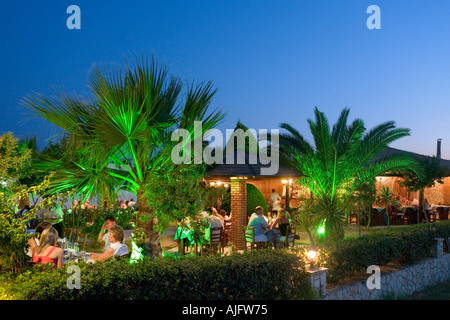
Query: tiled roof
point(244, 164)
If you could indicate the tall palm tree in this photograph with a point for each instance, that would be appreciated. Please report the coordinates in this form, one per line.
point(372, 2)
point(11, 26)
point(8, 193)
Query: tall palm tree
point(122, 134)
point(341, 159)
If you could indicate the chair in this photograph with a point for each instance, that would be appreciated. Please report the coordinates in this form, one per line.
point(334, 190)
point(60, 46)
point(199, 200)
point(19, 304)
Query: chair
point(249, 234)
point(377, 217)
point(289, 239)
point(442, 213)
point(353, 217)
point(411, 216)
point(81, 238)
point(226, 231)
point(215, 240)
point(67, 231)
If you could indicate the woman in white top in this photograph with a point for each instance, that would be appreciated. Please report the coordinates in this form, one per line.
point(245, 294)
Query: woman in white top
point(116, 248)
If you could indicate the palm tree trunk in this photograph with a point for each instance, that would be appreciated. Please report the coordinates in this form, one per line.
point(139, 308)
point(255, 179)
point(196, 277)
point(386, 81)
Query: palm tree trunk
point(369, 216)
point(387, 213)
point(421, 205)
point(145, 223)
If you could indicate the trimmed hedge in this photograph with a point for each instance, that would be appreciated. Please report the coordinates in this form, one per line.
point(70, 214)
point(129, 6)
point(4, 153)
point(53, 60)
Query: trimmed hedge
point(408, 245)
point(255, 198)
point(260, 275)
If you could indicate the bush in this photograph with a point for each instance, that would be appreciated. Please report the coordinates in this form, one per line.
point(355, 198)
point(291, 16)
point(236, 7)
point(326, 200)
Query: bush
point(260, 275)
point(255, 198)
point(409, 245)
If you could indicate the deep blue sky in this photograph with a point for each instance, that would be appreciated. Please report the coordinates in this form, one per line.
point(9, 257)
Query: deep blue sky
point(272, 61)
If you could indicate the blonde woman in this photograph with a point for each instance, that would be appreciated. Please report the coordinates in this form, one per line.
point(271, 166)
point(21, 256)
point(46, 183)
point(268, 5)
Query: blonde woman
point(116, 248)
point(34, 242)
point(47, 251)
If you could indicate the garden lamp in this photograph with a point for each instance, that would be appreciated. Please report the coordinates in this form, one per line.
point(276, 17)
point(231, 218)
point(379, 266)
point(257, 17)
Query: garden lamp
point(312, 253)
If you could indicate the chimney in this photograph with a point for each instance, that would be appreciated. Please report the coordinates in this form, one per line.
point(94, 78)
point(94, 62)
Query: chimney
point(438, 153)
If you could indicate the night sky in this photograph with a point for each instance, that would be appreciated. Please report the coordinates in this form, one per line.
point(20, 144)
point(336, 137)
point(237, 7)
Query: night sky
point(272, 61)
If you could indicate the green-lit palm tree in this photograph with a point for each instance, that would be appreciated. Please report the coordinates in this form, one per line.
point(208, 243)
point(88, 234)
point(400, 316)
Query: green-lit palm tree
point(341, 159)
point(121, 135)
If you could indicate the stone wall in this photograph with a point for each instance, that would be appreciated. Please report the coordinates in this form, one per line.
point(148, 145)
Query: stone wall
point(397, 283)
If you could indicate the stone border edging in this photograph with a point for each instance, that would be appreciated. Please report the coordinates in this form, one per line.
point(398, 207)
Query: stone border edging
point(403, 282)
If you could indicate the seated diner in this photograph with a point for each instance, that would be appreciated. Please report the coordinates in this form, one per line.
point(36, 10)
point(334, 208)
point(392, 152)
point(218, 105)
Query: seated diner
point(280, 224)
point(116, 247)
point(34, 242)
point(47, 251)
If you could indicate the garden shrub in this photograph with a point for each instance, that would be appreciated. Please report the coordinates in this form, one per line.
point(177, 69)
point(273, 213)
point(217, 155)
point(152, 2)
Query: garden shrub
point(409, 245)
point(260, 275)
point(255, 198)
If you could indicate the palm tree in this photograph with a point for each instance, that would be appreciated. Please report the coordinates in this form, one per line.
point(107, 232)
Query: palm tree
point(386, 197)
point(122, 134)
point(341, 159)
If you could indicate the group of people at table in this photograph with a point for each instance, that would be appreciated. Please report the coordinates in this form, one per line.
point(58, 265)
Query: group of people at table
point(401, 204)
point(270, 228)
point(46, 248)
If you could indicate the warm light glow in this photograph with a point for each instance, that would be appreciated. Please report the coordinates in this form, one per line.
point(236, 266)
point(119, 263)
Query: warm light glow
point(136, 253)
point(283, 181)
point(312, 254)
point(213, 183)
point(290, 181)
point(219, 183)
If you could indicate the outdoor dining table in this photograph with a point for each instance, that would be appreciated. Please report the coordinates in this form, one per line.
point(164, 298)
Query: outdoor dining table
point(404, 208)
point(397, 216)
point(185, 235)
point(73, 255)
point(77, 258)
point(443, 215)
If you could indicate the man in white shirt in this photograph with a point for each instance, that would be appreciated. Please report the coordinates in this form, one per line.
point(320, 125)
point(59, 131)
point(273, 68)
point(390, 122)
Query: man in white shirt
point(213, 220)
point(117, 247)
point(274, 200)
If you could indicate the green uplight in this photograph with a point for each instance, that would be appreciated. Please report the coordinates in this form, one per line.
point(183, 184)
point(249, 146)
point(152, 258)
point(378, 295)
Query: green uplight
point(136, 253)
point(321, 229)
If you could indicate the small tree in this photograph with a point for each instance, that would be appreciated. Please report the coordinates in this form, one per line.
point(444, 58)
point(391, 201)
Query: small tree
point(306, 218)
point(386, 197)
point(341, 158)
point(13, 236)
point(15, 159)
